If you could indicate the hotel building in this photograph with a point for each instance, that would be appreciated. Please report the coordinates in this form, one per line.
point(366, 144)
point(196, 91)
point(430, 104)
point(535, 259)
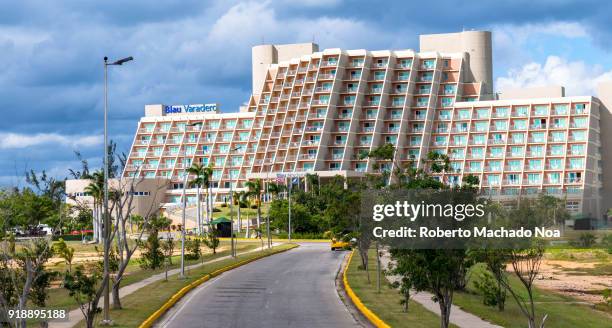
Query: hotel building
point(317, 111)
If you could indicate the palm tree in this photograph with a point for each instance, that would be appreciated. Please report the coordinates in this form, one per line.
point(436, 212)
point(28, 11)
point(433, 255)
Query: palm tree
point(275, 189)
point(96, 190)
point(311, 180)
point(198, 181)
point(239, 200)
point(206, 176)
point(254, 188)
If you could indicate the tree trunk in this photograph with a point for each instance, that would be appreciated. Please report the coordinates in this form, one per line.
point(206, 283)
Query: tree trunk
point(199, 209)
point(445, 301)
point(89, 321)
point(239, 218)
point(116, 296)
point(259, 213)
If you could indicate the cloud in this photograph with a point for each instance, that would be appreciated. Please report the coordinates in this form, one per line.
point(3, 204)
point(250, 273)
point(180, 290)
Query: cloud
point(15, 140)
point(578, 77)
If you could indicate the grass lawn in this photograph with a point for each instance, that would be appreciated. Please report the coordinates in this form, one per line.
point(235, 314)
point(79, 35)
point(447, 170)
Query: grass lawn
point(387, 304)
point(560, 309)
point(139, 305)
point(58, 297)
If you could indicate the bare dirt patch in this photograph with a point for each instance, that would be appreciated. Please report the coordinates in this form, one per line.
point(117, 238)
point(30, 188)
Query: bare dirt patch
point(574, 279)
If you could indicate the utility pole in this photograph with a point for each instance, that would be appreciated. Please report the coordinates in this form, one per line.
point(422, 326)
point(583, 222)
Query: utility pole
point(106, 231)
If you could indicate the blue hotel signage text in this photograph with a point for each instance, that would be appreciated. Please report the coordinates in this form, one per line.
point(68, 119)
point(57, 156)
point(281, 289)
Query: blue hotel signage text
point(200, 108)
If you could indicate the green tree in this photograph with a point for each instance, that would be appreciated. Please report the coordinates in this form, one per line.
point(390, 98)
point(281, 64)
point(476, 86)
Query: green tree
point(194, 250)
point(202, 177)
point(65, 252)
point(254, 191)
point(85, 290)
point(211, 239)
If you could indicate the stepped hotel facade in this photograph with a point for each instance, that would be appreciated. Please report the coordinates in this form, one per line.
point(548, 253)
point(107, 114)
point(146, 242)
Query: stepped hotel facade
point(316, 111)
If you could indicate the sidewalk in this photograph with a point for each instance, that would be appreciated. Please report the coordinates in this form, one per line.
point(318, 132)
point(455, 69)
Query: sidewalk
point(458, 316)
point(75, 315)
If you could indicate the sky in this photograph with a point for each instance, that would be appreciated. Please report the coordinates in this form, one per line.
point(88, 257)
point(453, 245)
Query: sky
point(193, 51)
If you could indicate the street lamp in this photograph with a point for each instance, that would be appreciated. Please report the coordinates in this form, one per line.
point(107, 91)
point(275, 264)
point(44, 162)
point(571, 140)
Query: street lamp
point(106, 320)
point(183, 230)
point(232, 240)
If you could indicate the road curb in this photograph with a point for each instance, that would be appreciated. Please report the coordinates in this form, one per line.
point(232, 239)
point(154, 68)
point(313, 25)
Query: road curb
point(374, 319)
point(178, 295)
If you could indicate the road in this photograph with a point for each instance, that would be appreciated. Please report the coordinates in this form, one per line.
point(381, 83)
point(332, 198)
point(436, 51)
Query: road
point(291, 289)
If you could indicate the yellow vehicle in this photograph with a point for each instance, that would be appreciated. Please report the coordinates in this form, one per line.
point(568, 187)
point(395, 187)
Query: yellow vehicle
point(339, 244)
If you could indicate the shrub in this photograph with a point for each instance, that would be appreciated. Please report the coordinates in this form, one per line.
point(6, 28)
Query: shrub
point(586, 240)
point(216, 210)
point(224, 205)
point(606, 242)
point(492, 293)
point(254, 206)
point(211, 239)
point(152, 255)
point(193, 249)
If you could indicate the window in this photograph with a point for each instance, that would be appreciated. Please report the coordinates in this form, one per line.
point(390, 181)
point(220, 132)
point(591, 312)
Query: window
point(493, 179)
point(514, 165)
point(479, 139)
point(475, 166)
point(449, 89)
point(463, 114)
point(521, 111)
point(514, 179)
point(519, 124)
point(558, 136)
point(534, 178)
point(497, 151)
point(577, 149)
point(537, 137)
point(447, 102)
point(576, 163)
point(540, 110)
point(536, 150)
point(535, 164)
point(579, 135)
point(379, 75)
point(517, 151)
point(428, 63)
point(477, 152)
point(555, 164)
point(482, 113)
point(495, 166)
point(560, 109)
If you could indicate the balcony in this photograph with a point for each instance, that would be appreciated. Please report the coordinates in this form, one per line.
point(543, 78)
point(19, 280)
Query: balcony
point(308, 156)
point(310, 143)
point(329, 63)
point(326, 76)
point(323, 89)
point(320, 102)
point(367, 129)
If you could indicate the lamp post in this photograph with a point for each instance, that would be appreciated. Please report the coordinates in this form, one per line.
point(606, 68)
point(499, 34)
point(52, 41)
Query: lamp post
point(106, 319)
point(183, 229)
point(232, 240)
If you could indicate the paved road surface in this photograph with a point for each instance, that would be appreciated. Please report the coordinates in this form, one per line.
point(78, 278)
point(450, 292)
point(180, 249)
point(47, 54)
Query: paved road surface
point(291, 289)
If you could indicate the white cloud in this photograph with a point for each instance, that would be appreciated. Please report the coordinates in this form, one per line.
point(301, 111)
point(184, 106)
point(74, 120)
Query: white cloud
point(249, 23)
point(15, 140)
point(509, 40)
point(578, 77)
